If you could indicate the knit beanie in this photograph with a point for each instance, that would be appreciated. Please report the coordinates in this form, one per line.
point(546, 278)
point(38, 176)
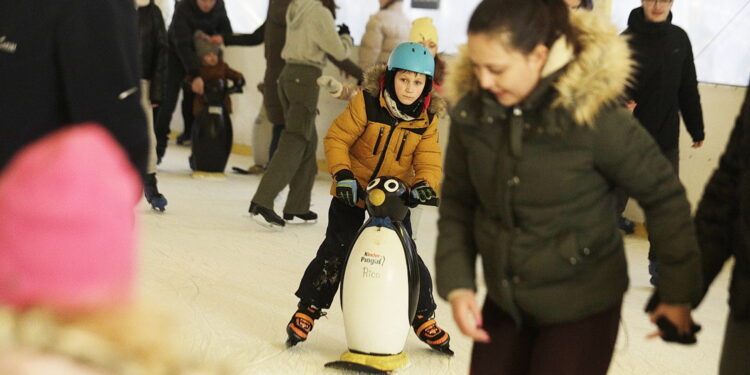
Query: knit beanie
point(422, 29)
point(202, 46)
point(67, 222)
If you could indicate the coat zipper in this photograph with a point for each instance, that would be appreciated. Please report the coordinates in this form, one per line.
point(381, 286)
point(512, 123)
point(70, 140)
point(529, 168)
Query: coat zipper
point(377, 143)
point(382, 154)
point(401, 148)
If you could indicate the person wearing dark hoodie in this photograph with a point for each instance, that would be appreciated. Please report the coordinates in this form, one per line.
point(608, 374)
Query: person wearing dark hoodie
point(310, 36)
point(722, 223)
point(538, 142)
point(65, 62)
point(397, 113)
point(210, 17)
point(154, 71)
point(664, 85)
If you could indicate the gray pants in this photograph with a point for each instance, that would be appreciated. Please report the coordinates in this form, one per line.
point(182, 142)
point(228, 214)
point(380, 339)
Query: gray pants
point(734, 355)
point(294, 162)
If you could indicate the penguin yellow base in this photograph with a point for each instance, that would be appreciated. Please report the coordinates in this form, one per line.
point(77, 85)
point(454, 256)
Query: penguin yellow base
point(371, 364)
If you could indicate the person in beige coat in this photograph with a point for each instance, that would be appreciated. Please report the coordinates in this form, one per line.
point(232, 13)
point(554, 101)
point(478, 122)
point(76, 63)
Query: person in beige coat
point(385, 30)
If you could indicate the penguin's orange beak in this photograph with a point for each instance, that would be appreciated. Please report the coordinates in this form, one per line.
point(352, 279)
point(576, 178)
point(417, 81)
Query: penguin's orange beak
point(376, 197)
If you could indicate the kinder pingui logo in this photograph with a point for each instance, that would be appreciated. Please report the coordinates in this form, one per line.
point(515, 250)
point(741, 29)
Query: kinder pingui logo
point(372, 259)
point(7, 46)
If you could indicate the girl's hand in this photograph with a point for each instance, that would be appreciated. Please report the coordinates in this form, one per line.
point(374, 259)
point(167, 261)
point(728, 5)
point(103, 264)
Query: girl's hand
point(468, 315)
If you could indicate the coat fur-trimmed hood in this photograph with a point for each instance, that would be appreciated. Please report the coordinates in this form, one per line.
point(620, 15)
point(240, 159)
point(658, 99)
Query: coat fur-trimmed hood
point(594, 77)
point(371, 84)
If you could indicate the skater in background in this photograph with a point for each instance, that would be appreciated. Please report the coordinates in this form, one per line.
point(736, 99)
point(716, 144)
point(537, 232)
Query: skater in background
point(212, 67)
point(537, 145)
point(723, 226)
point(274, 38)
point(210, 17)
point(67, 304)
point(75, 61)
point(153, 73)
point(385, 30)
point(311, 34)
point(665, 86)
point(390, 128)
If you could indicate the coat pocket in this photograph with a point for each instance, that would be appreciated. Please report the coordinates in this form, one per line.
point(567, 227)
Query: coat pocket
point(561, 258)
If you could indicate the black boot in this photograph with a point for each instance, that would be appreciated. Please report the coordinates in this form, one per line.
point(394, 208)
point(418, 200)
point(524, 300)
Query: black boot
point(308, 218)
point(265, 216)
point(153, 196)
point(428, 331)
point(302, 323)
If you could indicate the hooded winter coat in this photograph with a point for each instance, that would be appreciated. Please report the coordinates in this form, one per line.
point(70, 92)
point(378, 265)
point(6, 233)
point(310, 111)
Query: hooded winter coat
point(531, 188)
point(188, 19)
point(665, 82)
point(153, 49)
point(311, 34)
point(385, 30)
point(367, 140)
point(723, 217)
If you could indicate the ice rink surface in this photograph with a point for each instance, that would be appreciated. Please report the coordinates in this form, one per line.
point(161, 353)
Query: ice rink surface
point(230, 285)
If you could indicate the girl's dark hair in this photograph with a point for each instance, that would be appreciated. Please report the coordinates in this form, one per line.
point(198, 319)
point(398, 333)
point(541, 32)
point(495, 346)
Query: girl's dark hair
point(528, 23)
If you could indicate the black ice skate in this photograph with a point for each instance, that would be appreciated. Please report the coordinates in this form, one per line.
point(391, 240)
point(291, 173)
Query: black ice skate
point(308, 218)
point(157, 200)
point(302, 323)
point(266, 217)
point(428, 331)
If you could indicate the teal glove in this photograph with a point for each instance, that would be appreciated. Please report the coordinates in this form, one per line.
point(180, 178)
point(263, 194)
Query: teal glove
point(422, 192)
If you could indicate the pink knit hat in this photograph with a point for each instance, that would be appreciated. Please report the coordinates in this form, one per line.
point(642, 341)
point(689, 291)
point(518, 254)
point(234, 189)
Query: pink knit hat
point(67, 222)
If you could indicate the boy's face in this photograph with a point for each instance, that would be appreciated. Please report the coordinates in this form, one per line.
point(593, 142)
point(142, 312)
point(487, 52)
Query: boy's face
point(409, 86)
point(210, 59)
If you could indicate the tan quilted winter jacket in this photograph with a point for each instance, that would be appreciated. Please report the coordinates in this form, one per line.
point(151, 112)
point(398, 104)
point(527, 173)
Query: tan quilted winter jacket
point(384, 31)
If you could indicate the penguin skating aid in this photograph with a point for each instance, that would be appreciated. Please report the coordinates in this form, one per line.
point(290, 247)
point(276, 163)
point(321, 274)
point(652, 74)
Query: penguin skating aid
point(380, 284)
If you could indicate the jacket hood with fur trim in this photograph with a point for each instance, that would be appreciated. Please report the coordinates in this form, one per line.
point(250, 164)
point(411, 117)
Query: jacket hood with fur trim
point(371, 84)
point(584, 82)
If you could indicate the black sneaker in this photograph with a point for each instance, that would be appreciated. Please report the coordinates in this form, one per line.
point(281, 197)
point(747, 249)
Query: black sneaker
point(302, 323)
point(156, 199)
point(308, 218)
point(265, 216)
point(428, 331)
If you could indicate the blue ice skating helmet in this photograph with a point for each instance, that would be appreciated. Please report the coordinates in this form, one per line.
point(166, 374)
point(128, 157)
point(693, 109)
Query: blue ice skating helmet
point(413, 57)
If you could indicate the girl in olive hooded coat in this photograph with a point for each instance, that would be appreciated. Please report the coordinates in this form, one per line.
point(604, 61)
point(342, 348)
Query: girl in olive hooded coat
point(538, 144)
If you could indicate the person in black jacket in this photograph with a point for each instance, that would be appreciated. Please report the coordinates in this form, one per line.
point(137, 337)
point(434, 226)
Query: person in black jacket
point(66, 62)
point(209, 16)
point(665, 83)
point(723, 228)
point(154, 60)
